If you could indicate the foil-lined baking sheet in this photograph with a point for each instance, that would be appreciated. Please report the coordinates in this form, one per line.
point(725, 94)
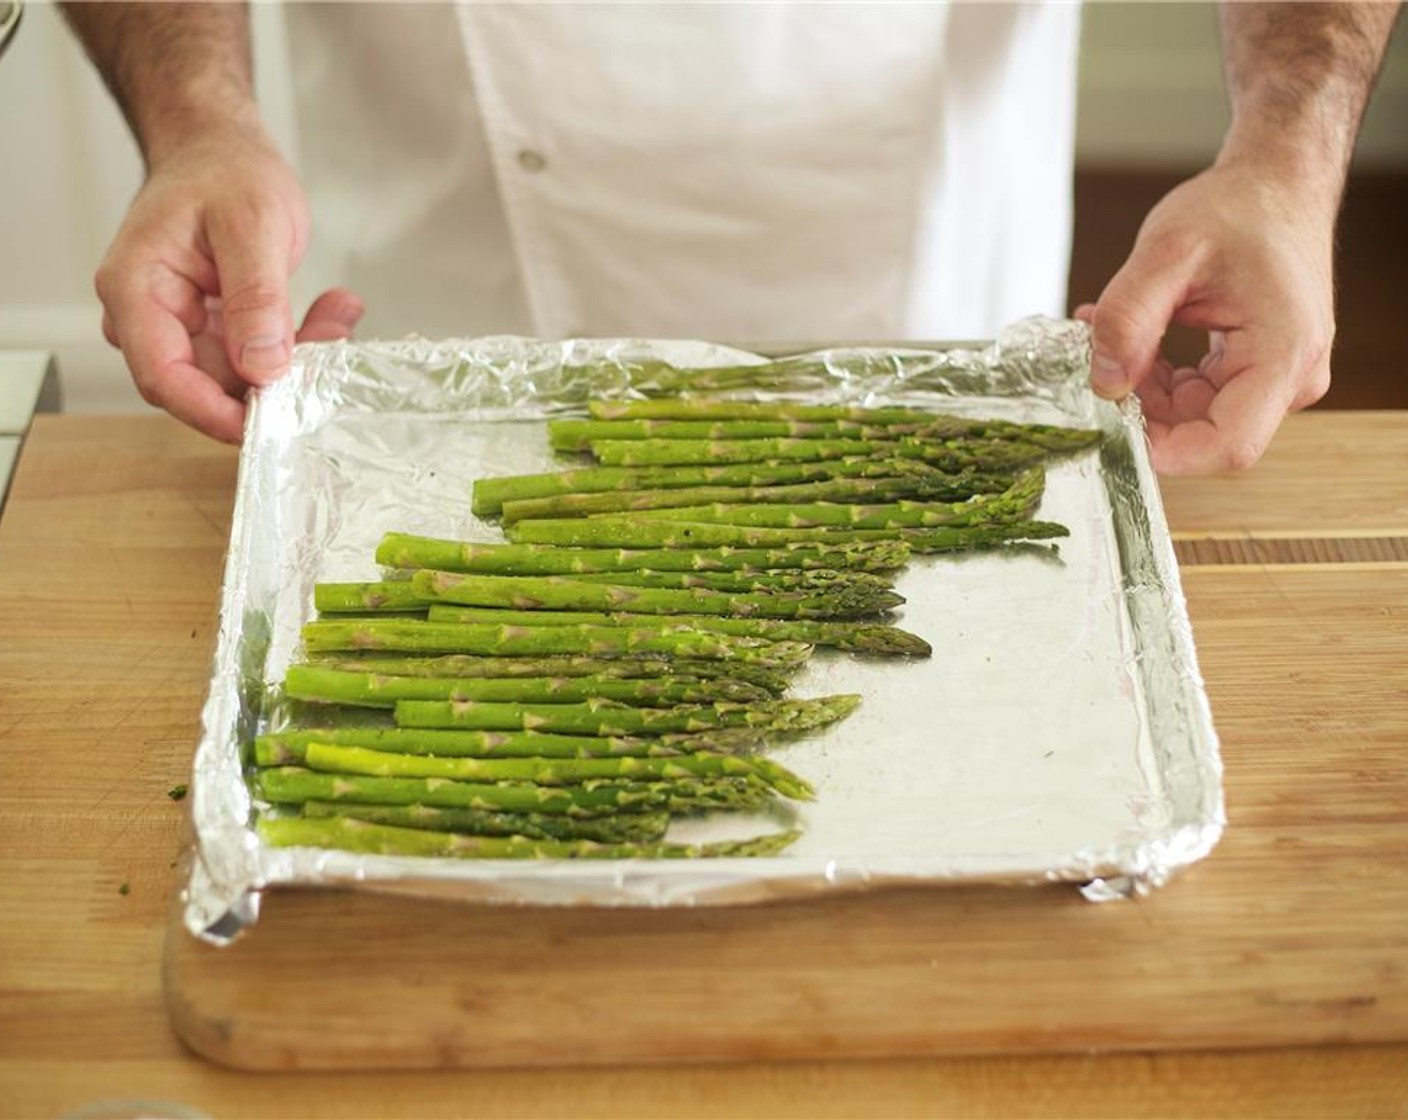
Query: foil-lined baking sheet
point(1060, 731)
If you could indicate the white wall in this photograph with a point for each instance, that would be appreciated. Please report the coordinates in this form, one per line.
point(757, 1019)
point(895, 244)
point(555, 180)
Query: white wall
point(1150, 95)
point(1151, 90)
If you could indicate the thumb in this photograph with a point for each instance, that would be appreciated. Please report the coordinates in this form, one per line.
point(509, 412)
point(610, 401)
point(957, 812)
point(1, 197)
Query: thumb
point(254, 256)
point(1129, 320)
point(333, 315)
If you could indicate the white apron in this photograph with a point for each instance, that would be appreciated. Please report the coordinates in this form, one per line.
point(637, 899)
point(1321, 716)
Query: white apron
point(749, 172)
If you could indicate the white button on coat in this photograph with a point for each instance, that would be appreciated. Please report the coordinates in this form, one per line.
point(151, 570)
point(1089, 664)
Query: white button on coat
point(725, 171)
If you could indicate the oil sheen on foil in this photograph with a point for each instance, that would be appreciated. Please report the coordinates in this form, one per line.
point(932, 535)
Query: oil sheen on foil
point(1059, 732)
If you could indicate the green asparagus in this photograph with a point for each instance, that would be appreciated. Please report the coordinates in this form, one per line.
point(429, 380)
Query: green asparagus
point(388, 595)
point(580, 435)
point(377, 839)
point(502, 640)
point(696, 410)
point(283, 748)
point(293, 785)
point(600, 718)
point(460, 666)
point(490, 494)
point(371, 690)
point(555, 771)
point(992, 455)
point(858, 637)
point(629, 827)
point(553, 593)
point(928, 482)
point(402, 550)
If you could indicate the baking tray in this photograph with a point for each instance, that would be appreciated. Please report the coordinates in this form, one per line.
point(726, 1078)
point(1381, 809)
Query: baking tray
point(1060, 731)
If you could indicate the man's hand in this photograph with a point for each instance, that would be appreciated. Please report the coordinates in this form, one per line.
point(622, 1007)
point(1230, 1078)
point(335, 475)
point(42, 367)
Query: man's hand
point(1248, 258)
point(195, 287)
point(1245, 250)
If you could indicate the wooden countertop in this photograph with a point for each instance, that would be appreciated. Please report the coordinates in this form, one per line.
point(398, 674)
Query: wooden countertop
point(110, 557)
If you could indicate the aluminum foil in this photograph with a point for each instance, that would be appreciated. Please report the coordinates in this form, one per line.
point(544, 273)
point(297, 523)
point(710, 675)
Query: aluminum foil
point(1060, 731)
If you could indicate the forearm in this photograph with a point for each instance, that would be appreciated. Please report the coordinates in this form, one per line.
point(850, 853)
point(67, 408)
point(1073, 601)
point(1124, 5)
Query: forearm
point(176, 69)
point(1298, 78)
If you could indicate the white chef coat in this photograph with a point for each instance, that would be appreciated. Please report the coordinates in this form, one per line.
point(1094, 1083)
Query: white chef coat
point(758, 172)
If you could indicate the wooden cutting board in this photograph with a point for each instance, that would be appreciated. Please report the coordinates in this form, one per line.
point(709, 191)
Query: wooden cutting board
point(1295, 931)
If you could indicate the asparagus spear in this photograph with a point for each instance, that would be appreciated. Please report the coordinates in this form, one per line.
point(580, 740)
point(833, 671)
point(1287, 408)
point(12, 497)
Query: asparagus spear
point(464, 666)
point(928, 482)
point(378, 839)
point(843, 417)
point(953, 454)
point(555, 771)
point(890, 515)
point(292, 785)
point(370, 690)
point(282, 748)
point(539, 826)
point(623, 530)
point(387, 595)
point(792, 580)
point(460, 666)
point(599, 718)
point(700, 408)
point(600, 641)
point(403, 551)
point(580, 435)
point(859, 637)
point(490, 494)
point(559, 593)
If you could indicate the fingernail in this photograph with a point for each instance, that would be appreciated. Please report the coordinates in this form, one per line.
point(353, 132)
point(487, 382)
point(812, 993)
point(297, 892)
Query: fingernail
point(1107, 376)
point(265, 354)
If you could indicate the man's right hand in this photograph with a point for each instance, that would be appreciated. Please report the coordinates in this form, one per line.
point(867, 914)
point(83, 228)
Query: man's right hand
point(195, 286)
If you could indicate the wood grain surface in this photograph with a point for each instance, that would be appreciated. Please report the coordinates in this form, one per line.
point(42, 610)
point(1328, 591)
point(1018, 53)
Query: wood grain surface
point(109, 561)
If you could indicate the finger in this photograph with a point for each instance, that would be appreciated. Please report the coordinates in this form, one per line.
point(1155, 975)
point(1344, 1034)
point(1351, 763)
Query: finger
point(1241, 417)
point(209, 351)
point(1085, 312)
point(110, 331)
point(253, 251)
point(1132, 314)
point(334, 315)
point(160, 354)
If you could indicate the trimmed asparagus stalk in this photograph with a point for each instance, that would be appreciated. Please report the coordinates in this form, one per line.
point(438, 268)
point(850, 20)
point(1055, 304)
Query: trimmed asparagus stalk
point(490, 494)
point(820, 420)
point(369, 690)
point(559, 593)
point(555, 771)
point(953, 454)
point(814, 580)
point(1018, 501)
point(464, 667)
point(598, 641)
point(858, 637)
point(927, 483)
point(293, 785)
point(386, 595)
point(468, 667)
point(685, 535)
point(628, 827)
point(352, 835)
point(405, 551)
point(580, 435)
point(700, 408)
point(599, 718)
point(286, 748)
